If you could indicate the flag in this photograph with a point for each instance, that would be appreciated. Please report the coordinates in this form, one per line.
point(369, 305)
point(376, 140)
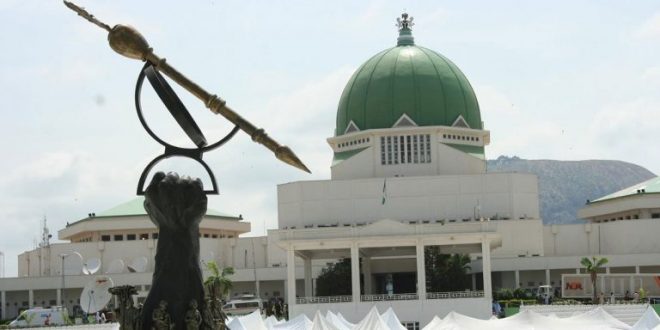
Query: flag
point(384, 191)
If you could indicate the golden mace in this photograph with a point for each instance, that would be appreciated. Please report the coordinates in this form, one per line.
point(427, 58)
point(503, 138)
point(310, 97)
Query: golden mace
point(127, 41)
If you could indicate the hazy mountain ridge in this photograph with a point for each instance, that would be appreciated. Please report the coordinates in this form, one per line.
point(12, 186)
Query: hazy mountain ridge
point(565, 186)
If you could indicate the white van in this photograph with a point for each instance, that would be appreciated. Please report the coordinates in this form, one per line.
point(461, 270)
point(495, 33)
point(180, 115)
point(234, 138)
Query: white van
point(42, 317)
point(243, 305)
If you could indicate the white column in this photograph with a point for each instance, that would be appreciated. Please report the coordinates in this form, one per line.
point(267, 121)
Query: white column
point(257, 291)
point(286, 289)
point(366, 271)
point(58, 293)
point(607, 270)
point(30, 298)
point(421, 271)
point(308, 277)
point(636, 269)
point(3, 302)
point(516, 276)
point(291, 276)
point(355, 273)
point(577, 270)
point(485, 259)
point(547, 277)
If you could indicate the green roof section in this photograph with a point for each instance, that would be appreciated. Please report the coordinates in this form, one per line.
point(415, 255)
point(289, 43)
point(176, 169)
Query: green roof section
point(651, 186)
point(136, 207)
point(407, 79)
point(474, 151)
point(344, 155)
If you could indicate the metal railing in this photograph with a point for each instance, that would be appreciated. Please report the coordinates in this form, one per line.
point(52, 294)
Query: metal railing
point(389, 297)
point(454, 295)
point(323, 300)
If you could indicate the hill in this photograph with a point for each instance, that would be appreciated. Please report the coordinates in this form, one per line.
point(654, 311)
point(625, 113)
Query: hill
point(565, 186)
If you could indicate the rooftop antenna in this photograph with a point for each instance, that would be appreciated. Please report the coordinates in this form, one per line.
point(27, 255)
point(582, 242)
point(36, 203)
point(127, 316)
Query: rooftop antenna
point(45, 234)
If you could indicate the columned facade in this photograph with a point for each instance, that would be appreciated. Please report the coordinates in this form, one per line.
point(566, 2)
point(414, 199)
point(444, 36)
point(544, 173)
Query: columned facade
point(393, 254)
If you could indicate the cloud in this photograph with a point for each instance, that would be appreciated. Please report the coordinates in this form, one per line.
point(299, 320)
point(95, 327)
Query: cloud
point(493, 102)
point(650, 29)
point(59, 185)
point(627, 128)
point(651, 74)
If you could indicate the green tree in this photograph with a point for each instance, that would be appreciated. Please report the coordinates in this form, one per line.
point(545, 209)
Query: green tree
point(335, 279)
point(446, 272)
point(592, 266)
point(217, 285)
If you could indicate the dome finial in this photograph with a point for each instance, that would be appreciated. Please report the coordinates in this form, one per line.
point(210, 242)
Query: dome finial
point(405, 23)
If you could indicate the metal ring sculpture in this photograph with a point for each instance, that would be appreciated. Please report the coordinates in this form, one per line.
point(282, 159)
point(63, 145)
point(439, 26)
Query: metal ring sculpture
point(185, 121)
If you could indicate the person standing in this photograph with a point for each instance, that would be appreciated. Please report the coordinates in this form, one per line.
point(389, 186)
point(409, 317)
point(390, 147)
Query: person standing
point(612, 298)
point(601, 298)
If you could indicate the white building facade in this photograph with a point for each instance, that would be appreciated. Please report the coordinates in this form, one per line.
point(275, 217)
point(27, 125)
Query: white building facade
point(409, 171)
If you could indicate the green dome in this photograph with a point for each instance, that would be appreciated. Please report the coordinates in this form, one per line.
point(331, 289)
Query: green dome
point(407, 79)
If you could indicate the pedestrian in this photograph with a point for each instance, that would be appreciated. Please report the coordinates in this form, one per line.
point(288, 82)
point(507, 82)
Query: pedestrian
point(601, 298)
point(612, 298)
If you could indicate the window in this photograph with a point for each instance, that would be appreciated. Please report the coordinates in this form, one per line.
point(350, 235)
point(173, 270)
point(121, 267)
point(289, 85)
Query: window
point(130, 237)
point(154, 235)
point(655, 215)
point(382, 150)
point(119, 237)
point(405, 149)
point(144, 236)
point(206, 235)
point(389, 150)
point(214, 236)
point(396, 150)
point(415, 150)
point(105, 238)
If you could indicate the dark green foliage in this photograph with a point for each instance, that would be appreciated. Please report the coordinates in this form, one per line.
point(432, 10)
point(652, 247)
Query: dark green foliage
point(446, 272)
point(520, 293)
point(504, 294)
point(335, 280)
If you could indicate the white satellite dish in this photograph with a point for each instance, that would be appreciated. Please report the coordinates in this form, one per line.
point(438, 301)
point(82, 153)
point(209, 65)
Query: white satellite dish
point(116, 267)
point(91, 266)
point(95, 295)
point(73, 264)
point(138, 265)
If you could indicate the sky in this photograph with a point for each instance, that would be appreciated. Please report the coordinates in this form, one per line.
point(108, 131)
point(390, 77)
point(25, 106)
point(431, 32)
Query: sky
point(567, 80)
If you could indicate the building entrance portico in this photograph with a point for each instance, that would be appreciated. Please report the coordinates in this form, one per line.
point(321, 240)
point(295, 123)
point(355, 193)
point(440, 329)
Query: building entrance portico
point(387, 266)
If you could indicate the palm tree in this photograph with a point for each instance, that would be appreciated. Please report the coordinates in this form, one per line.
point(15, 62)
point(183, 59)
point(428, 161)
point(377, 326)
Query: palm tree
point(592, 266)
point(218, 285)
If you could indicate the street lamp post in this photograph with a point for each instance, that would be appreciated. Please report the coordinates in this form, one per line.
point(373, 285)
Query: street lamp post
point(62, 255)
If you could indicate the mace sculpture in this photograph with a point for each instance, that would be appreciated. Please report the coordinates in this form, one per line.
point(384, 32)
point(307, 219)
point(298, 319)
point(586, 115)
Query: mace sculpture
point(176, 204)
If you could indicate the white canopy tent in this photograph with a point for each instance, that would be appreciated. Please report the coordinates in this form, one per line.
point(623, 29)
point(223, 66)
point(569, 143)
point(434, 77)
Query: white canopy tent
point(595, 319)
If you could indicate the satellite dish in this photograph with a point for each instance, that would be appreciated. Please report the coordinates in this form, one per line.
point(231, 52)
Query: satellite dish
point(91, 266)
point(138, 265)
point(95, 295)
point(116, 267)
point(73, 264)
